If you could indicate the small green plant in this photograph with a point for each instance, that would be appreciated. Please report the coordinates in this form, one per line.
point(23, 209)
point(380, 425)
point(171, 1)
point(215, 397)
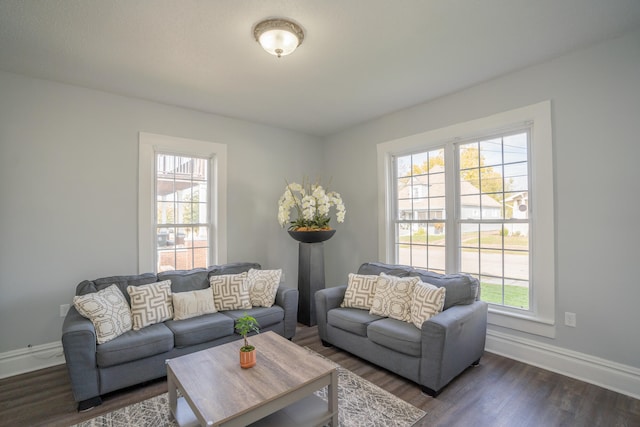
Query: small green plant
point(245, 325)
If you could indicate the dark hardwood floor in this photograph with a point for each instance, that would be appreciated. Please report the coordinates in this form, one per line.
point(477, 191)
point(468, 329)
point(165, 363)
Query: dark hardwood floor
point(499, 392)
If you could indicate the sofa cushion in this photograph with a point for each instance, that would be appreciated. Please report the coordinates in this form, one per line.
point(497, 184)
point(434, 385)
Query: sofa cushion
point(192, 303)
point(427, 301)
point(186, 280)
point(351, 320)
point(375, 268)
point(196, 330)
point(230, 292)
point(360, 291)
point(232, 268)
point(397, 335)
point(135, 345)
point(462, 289)
point(123, 282)
point(266, 316)
point(150, 304)
point(108, 310)
point(263, 286)
point(393, 297)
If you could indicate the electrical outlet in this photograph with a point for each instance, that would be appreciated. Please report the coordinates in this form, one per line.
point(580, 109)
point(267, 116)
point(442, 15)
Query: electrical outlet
point(64, 308)
point(570, 319)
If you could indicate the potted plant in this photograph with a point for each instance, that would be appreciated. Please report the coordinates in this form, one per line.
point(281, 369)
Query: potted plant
point(312, 204)
point(245, 325)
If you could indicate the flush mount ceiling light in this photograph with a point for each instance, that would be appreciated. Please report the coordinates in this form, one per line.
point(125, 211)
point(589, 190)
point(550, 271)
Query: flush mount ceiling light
point(278, 36)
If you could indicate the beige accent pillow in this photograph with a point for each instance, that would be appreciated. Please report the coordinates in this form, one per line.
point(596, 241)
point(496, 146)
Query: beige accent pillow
point(150, 304)
point(193, 303)
point(360, 291)
point(230, 292)
point(428, 300)
point(108, 310)
point(393, 297)
point(263, 286)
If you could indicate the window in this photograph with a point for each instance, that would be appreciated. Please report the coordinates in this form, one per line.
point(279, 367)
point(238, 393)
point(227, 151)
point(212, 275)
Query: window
point(182, 212)
point(457, 199)
point(182, 189)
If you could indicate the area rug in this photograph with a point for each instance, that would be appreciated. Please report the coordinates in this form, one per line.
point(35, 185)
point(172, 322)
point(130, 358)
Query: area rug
point(360, 404)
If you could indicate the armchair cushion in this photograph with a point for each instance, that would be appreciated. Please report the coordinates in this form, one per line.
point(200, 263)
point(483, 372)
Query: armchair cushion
point(427, 301)
point(352, 320)
point(393, 297)
point(360, 291)
point(397, 335)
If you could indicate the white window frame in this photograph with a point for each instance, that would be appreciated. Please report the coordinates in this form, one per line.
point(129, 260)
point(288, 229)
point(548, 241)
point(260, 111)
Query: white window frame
point(541, 317)
point(149, 145)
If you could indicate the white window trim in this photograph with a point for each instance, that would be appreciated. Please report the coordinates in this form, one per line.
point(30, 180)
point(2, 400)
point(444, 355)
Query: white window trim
point(540, 320)
point(149, 145)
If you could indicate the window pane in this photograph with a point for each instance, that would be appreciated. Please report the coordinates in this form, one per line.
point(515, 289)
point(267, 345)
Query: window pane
point(470, 207)
point(491, 152)
point(515, 148)
point(181, 201)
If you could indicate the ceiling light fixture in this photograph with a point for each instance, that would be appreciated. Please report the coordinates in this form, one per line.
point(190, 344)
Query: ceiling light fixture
point(279, 37)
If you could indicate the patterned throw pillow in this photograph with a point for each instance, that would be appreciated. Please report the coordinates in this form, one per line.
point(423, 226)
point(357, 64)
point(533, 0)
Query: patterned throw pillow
point(393, 297)
point(428, 301)
point(230, 292)
point(108, 310)
point(150, 304)
point(263, 286)
point(360, 291)
point(192, 303)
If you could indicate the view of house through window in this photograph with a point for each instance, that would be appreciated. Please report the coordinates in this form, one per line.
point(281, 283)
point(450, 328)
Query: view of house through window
point(489, 208)
point(420, 226)
point(182, 212)
point(494, 217)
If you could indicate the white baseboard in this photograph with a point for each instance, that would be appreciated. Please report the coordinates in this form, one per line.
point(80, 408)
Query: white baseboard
point(601, 372)
point(20, 361)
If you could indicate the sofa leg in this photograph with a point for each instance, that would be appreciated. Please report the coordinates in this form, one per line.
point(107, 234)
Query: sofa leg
point(430, 392)
point(88, 404)
point(326, 344)
point(476, 363)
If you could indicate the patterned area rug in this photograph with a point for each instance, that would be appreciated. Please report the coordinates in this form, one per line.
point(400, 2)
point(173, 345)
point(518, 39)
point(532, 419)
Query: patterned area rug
point(360, 404)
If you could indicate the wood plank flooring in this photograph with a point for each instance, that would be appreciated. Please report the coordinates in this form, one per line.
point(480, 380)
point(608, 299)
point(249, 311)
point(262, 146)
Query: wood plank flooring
point(499, 392)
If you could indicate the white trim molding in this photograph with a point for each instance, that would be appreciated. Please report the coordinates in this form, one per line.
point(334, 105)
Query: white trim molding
point(149, 144)
point(594, 370)
point(30, 359)
point(540, 319)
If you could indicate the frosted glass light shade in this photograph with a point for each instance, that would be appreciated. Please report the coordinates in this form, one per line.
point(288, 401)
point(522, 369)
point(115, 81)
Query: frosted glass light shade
point(279, 37)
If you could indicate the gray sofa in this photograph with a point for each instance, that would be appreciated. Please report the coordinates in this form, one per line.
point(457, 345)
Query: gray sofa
point(138, 356)
point(447, 344)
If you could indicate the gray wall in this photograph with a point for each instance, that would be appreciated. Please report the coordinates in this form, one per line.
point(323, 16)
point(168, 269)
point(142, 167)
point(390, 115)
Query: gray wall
point(595, 96)
point(68, 193)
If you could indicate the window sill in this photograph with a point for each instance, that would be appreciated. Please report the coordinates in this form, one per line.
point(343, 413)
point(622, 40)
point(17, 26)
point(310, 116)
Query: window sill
point(523, 322)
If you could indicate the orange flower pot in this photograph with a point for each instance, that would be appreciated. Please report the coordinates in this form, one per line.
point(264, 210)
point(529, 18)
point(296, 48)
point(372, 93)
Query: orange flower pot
point(247, 359)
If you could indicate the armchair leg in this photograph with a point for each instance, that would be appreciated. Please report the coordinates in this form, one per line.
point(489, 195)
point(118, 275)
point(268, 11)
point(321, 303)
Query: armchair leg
point(326, 344)
point(476, 363)
point(430, 392)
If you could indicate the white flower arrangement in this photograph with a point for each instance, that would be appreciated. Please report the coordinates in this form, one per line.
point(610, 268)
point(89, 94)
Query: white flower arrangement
point(312, 204)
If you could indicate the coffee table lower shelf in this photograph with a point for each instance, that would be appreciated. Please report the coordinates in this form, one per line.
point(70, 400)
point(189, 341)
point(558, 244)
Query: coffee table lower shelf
point(309, 411)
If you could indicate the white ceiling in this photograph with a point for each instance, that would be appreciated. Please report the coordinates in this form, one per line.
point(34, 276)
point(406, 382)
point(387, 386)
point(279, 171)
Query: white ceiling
point(360, 59)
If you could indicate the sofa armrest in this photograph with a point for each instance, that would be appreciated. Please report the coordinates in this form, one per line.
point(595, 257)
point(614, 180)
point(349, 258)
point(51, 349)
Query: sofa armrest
point(287, 298)
point(451, 342)
point(79, 344)
point(327, 299)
